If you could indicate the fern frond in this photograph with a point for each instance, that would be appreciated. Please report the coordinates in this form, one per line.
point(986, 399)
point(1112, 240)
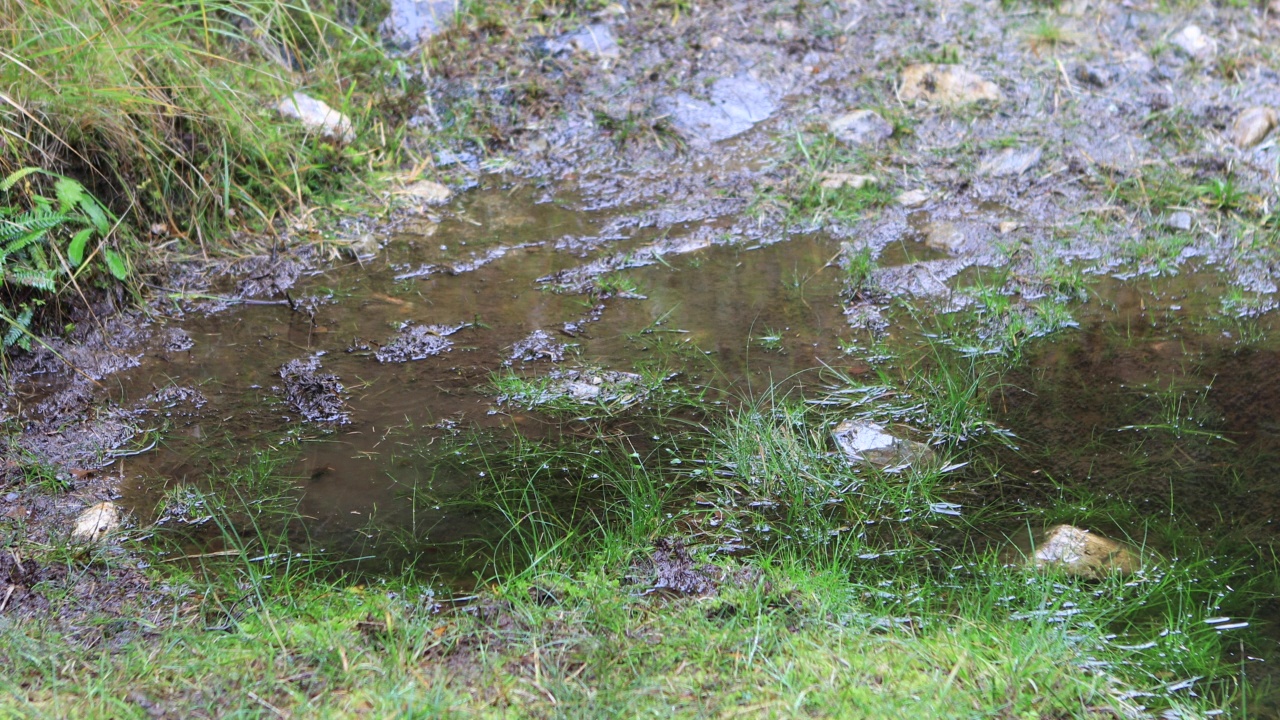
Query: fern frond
point(30, 277)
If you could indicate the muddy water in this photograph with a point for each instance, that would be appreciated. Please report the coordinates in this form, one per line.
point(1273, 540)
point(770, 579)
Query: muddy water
point(733, 317)
point(1154, 419)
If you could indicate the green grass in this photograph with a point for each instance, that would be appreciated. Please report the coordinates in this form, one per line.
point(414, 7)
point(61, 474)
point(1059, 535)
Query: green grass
point(163, 114)
point(803, 201)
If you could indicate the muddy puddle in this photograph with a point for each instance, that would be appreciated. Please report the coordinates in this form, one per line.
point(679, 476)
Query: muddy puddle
point(368, 364)
point(1152, 417)
point(1161, 398)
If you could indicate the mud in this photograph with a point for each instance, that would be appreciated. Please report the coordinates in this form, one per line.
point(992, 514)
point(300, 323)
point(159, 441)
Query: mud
point(675, 572)
point(417, 342)
point(315, 395)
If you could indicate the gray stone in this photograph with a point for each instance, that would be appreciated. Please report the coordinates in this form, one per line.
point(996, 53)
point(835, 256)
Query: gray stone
point(1081, 553)
point(1010, 162)
point(735, 105)
point(1180, 220)
point(944, 235)
point(316, 116)
point(1096, 75)
point(867, 442)
point(1192, 41)
point(946, 85)
point(96, 522)
point(1252, 126)
point(596, 39)
point(861, 127)
point(412, 22)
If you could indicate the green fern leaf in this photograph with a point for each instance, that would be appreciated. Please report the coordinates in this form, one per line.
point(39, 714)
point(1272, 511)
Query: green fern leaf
point(30, 277)
point(69, 193)
point(75, 250)
point(21, 243)
point(17, 175)
point(115, 263)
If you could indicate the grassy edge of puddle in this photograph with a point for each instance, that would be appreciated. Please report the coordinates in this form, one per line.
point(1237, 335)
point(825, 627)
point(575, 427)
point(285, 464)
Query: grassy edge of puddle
point(569, 619)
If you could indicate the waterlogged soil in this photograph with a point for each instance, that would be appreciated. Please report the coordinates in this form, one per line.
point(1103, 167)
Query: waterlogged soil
point(660, 222)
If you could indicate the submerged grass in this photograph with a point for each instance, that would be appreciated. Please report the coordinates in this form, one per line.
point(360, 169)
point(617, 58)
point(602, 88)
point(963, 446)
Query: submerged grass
point(834, 600)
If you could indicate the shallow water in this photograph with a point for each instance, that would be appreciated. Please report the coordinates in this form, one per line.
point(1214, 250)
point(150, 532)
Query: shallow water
point(1160, 404)
point(748, 317)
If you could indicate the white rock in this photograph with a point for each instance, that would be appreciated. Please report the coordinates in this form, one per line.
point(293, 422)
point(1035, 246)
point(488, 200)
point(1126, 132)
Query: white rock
point(867, 442)
point(96, 522)
point(317, 116)
point(861, 127)
point(1253, 125)
point(1180, 220)
point(947, 85)
point(912, 198)
point(835, 181)
point(428, 192)
point(1192, 41)
point(1010, 162)
point(1082, 553)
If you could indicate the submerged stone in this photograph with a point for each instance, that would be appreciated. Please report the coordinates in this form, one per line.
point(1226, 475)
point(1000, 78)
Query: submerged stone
point(867, 442)
point(1252, 126)
point(1082, 553)
point(734, 106)
point(861, 127)
point(316, 115)
point(946, 85)
point(96, 522)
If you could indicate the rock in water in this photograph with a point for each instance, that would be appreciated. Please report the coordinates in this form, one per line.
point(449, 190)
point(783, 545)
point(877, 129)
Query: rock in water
point(867, 442)
point(1083, 553)
point(96, 522)
point(317, 116)
point(861, 127)
point(1253, 125)
point(946, 85)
